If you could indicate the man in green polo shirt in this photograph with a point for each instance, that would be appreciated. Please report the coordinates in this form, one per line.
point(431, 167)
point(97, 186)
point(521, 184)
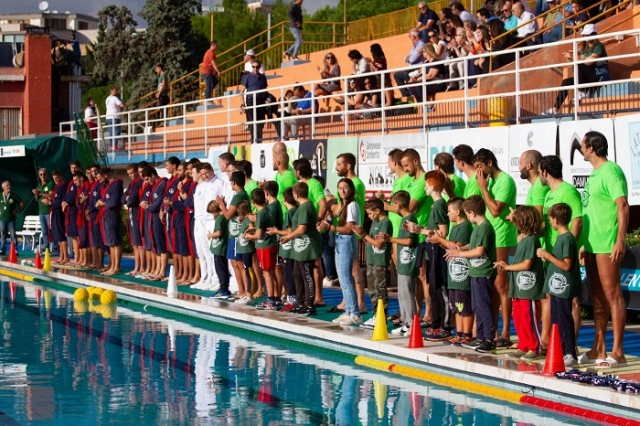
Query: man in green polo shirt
point(463, 158)
point(10, 206)
point(42, 192)
point(499, 193)
point(605, 219)
point(528, 166)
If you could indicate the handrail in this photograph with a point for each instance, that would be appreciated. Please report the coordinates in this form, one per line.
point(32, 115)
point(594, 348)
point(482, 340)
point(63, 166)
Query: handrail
point(604, 12)
point(535, 18)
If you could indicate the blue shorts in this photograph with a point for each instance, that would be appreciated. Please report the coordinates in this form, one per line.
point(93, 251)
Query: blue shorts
point(231, 250)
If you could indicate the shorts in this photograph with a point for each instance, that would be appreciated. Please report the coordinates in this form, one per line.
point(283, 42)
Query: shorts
point(460, 302)
point(267, 258)
point(231, 250)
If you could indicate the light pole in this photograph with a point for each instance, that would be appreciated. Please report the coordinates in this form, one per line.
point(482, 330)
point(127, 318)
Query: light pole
point(212, 10)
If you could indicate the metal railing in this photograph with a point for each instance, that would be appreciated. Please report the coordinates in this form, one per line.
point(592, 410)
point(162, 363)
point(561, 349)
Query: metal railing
point(221, 124)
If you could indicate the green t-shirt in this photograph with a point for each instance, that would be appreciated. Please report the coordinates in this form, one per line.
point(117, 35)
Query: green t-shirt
point(284, 181)
point(161, 79)
point(600, 212)
point(44, 189)
point(249, 186)
point(316, 193)
point(234, 223)
point(264, 220)
point(483, 236)
point(438, 215)
point(527, 284)
point(218, 246)
point(408, 255)
point(379, 256)
point(458, 187)
point(8, 206)
point(503, 189)
point(361, 195)
point(564, 193)
point(308, 246)
point(417, 192)
point(560, 283)
point(537, 194)
point(285, 249)
point(243, 245)
point(276, 214)
point(472, 188)
point(458, 267)
point(399, 184)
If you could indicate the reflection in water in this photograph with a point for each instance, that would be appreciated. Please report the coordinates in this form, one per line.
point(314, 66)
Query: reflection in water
point(77, 363)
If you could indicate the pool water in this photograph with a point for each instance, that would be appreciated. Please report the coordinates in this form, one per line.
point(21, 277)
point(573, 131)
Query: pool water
point(69, 363)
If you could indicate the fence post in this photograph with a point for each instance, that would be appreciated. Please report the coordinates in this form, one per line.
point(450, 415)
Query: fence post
point(518, 98)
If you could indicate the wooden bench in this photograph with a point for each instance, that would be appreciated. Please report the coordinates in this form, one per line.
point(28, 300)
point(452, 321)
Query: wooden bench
point(30, 230)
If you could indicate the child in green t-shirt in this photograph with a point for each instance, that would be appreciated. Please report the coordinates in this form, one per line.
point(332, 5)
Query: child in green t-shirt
point(526, 281)
point(271, 189)
point(407, 256)
point(246, 249)
point(458, 280)
point(285, 248)
point(481, 253)
point(218, 247)
point(266, 248)
point(563, 278)
point(378, 255)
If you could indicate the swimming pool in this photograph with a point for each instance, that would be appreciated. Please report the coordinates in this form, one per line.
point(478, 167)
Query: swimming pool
point(69, 363)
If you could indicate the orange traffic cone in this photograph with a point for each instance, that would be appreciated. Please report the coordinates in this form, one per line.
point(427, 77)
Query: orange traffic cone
point(13, 254)
point(415, 337)
point(554, 362)
point(38, 261)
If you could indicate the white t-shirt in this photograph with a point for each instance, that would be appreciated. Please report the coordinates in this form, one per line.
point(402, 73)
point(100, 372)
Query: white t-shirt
point(465, 16)
point(528, 29)
point(248, 67)
point(353, 213)
point(113, 107)
point(204, 193)
point(89, 115)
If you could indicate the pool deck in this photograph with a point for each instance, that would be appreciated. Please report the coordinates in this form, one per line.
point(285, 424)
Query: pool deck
point(461, 364)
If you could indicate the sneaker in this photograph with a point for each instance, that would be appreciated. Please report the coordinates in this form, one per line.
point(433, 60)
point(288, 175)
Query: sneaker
point(370, 323)
point(472, 344)
point(244, 300)
point(569, 360)
point(530, 356)
point(264, 305)
point(551, 111)
point(288, 308)
point(351, 320)
point(401, 331)
point(486, 347)
point(516, 354)
point(200, 285)
point(278, 305)
point(439, 335)
point(327, 282)
point(307, 310)
point(429, 333)
point(222, 295)
point(452, 340)
point(340, 318)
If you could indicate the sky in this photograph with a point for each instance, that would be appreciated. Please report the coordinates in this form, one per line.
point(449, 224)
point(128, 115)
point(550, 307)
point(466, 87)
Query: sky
point(91, 7)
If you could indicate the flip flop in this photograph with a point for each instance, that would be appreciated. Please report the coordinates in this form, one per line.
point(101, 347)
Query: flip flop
point(585, 360)
point(335, 309)
point(609, 362)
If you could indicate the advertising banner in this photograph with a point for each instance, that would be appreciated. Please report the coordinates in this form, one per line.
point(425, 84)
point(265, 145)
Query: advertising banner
point(373, 151)
point(12, 151)
point(262, 161)
point(627, 131)
point(335, 147)
point(540, 137)
point(575, 169)
point(316, 152)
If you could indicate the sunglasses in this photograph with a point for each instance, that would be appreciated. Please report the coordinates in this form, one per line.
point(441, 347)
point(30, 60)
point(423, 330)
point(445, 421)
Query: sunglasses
point(506, 10)
point(432, 35)
point(256, 66)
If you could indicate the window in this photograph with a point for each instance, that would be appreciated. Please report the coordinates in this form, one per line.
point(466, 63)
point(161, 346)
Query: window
point(10, 123)
point(13, 38)
point(83, 25)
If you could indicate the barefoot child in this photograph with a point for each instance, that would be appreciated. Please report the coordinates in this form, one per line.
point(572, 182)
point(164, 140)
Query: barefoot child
point(563, 278)
point(218, 247)
point(526, 281)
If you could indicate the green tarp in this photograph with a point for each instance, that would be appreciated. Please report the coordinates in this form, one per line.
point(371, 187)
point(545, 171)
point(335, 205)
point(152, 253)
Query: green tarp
point(49, 152)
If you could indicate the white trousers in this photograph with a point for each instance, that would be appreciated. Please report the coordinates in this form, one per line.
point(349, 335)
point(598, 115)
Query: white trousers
point(207, 267)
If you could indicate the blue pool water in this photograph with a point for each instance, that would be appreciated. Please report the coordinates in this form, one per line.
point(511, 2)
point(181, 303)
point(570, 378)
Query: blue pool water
point(69, 363)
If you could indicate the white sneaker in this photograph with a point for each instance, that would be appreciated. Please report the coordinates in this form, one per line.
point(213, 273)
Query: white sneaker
point(327, 282)
point(401, 331)
point(340, 318)
point(351, 320)
point(569, 360)
point(198, 286)
point(370, 323)
point(245, 300)
point(551, 111)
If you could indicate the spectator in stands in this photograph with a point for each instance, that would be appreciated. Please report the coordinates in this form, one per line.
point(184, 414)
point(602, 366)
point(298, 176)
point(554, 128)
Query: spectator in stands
point(483, 45)
point(355, 93)
point(434, 73)
point(10, 207)
point(576, 15)
point(331, 73)
point(371, 97)
point(209, 69)
point(249, 58)
point(114, 106)
point(162, 95)
point(426, 20)
point(458, 9)
point(255, 82)
point(306, 106)
point(289, 105)
point(439, 45)
point(447, 18)
point(295, 26)
point(91, 118)
point(359, 62)
point(484, 15)
point(596, 69)
point(527, 18)
point(456, 68)
point(379, 62)
point(503, 42)
point(413, 58)
point(552, 28)
point(508, 18)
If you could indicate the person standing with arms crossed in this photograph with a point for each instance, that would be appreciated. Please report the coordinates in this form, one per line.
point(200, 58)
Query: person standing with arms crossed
point(295, 25)
point(605, 219)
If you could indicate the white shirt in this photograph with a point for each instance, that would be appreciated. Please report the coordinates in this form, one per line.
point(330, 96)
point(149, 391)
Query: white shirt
point(89, 115)
point(248, 67)
point(466, 16)
point(531, 28)
point(204, 193)
point(113, 107)
point(227, 191)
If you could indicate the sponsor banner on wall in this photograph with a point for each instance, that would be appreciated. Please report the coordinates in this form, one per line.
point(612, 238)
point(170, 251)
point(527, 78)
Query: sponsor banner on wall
point(575, 169)
point(627, 131)
point(373, 151)
point(316, 152)
point(262, 161)
point(335, 147)
point(540, 137)
point(495, 139)
point(12, 151)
